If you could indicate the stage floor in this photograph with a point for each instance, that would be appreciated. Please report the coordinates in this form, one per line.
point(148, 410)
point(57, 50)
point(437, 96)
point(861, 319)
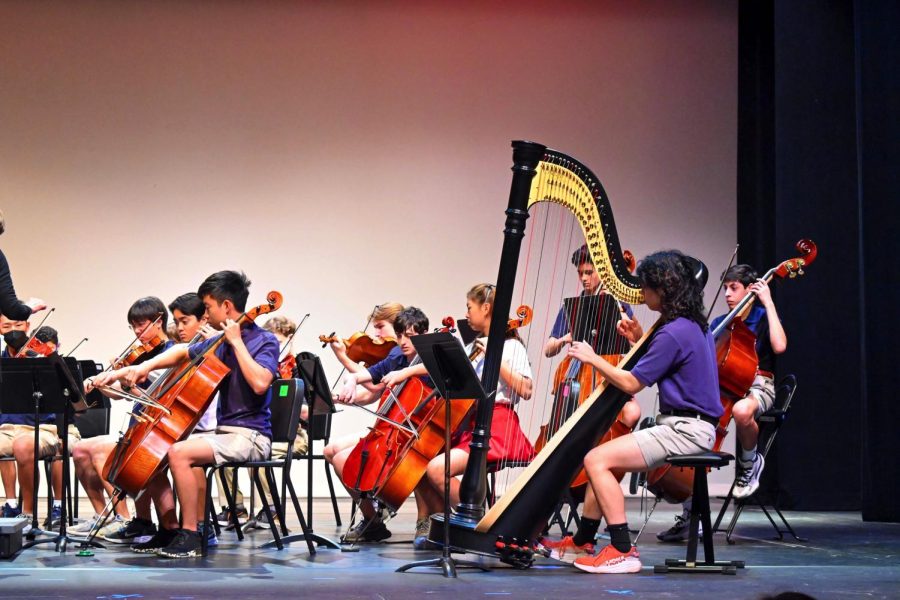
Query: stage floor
point(843, 558)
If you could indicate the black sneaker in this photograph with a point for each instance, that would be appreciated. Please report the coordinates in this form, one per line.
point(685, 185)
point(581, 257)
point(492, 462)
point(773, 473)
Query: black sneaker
point(185, 545)
point(52, 521)
point(368, 531)
point(159, 541)
point(211, 539)
point(677, 532)
point(261, 517)
point(224, 517)
point(137, 531)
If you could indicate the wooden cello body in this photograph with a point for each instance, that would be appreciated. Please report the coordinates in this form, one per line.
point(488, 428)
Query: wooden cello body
point(430, 422)
point(146, 444)
point(374, 455)
point(181, 398)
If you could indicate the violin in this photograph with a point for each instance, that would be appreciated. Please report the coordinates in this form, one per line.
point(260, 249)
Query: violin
point(523, 317)
point(362, 347)
point(35, 348)
point(737, 364)
point(287, 367)
point(138, 352)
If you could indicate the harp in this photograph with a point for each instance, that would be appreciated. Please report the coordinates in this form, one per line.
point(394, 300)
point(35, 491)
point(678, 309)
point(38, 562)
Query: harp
point(509, 530)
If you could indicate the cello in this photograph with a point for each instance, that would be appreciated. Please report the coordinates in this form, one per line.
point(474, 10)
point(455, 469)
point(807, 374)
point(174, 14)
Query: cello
point(412, 460)
point(175, 405)
point(375, 453)
point(737, 366)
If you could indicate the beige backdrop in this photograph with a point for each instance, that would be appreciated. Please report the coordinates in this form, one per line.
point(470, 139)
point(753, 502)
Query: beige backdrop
point(344, 153)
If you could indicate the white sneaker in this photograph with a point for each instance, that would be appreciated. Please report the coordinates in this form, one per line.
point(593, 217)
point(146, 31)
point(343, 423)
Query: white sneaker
point(117, 525)
point(84, 527)
point(747, 478)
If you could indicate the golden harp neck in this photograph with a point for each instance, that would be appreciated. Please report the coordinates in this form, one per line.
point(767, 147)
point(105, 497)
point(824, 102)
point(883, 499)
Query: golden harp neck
point(563, 180)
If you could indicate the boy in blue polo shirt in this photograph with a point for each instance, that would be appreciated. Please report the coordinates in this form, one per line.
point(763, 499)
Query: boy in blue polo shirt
point(244, 428)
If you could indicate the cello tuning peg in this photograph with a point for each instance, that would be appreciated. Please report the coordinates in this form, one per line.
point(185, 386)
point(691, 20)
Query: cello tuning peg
point(792, 274)
point(800, 271)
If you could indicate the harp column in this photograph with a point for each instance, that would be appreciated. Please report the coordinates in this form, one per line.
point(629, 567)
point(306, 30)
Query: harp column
point(472, 492)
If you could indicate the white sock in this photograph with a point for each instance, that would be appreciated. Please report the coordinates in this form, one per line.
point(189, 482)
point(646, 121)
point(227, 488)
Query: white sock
point(748, 456)
point(13, 502)
point(57, 504)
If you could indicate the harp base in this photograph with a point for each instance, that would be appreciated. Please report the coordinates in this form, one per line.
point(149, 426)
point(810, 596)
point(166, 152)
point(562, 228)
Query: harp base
point(464, 538)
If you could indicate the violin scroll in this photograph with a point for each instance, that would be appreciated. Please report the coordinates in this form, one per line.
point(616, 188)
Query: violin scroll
point(523, 318)
point(448, 325)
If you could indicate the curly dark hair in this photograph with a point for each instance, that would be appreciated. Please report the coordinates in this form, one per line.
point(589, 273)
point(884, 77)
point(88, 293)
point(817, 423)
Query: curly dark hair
point(673, 275)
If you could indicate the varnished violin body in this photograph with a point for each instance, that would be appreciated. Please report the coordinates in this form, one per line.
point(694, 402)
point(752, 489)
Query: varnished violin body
point(364, 348)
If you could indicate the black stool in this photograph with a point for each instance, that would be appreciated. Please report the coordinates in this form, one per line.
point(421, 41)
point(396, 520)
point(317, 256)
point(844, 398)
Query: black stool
point(700, 512)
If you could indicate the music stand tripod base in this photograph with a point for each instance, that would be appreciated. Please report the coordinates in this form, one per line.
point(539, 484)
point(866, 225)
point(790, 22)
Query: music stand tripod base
point(455, 379)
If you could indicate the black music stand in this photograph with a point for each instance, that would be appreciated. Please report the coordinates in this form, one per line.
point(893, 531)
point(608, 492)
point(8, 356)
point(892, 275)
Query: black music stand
point(40, 386)
point(321, 407)
point(454, 379)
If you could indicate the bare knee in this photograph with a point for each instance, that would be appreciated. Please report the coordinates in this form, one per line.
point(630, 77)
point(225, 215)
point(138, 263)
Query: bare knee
point(329, 452)
point(178, 457)
point(23, 449)
point(744, 412)
point(435, 471)
point(596, 460)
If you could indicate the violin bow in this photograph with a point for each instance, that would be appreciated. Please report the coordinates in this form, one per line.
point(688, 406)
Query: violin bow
point(287, 342)
point(83, 340)
point(722, 280)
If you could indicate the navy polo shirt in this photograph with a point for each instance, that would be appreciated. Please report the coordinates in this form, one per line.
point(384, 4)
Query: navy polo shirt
point(239, 405)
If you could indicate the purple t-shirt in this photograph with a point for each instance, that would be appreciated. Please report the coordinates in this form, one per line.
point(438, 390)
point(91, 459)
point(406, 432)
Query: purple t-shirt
point(239, 405)
point(681, 361)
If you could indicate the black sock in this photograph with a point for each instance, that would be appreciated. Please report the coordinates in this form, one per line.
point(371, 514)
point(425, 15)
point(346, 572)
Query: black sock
point(619, 537)
point(586, 531)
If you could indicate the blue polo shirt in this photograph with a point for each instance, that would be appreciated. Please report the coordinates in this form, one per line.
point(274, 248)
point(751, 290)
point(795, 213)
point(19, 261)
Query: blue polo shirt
point(394, 361)
point(239, 405)
point(681, 361)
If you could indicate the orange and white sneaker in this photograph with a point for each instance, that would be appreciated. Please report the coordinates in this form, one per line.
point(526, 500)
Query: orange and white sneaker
point(566, 550)
point(611, 560)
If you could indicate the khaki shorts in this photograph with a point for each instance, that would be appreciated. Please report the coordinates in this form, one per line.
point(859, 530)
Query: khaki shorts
point(47, 438)
point(238, 444)
point(674, 436)
point(301, 445)
point(763, 389)
point(74, 438)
